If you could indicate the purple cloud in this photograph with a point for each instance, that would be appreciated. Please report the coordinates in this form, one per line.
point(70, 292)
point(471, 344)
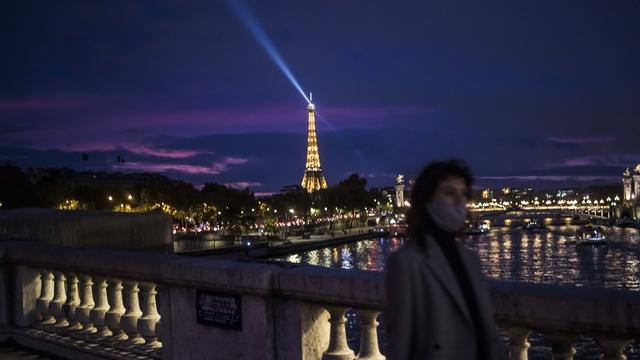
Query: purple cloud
point(554, 178)
point(49, 103)
point(242, 119)
point(240, 185)
point(362, 113)
point(137, 149)
point(263, 194)
point(618, 160)
point(583, 140)
point(165, 153)
point(191, 169)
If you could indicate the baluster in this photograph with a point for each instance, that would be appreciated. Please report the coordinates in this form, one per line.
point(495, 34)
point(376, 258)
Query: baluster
point(59, 299)
point(369, 349)
point(150, 316)
point(338, 348)
point(113, 316)
point(83, 311)
point(100, 309)
point(46, 294)
point(562, 346)
point(518, 344)
point(73, 300)
point(129, 321)
point(613, 348)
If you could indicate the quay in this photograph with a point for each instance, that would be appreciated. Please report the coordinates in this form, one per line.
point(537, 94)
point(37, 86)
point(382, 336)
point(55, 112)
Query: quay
point(293, 244)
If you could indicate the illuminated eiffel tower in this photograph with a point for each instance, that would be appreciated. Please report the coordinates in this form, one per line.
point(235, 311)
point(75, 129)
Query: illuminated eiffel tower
point(313, 178)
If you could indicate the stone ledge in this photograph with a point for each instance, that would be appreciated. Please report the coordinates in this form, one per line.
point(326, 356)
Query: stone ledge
point(549, 307)
point(89, 228)
point(125, 264)
point(70, 348)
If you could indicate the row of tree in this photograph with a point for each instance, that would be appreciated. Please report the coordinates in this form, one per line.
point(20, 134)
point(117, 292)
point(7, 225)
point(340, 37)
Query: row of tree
point(68, 189)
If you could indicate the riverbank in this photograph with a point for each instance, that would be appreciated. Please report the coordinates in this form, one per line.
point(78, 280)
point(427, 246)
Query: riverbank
point(293, 244)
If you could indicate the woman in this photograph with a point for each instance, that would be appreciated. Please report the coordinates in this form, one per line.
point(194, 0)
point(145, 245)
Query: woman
point(438, 306)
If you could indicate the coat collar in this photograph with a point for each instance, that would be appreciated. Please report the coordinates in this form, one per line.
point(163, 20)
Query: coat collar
point(440, 268)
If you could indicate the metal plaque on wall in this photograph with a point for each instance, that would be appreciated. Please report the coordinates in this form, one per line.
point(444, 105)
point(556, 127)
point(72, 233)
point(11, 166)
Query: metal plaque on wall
point(219, 309)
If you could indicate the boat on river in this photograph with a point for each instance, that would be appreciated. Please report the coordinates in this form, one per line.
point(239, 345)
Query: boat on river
point(534, 227)
point(593, 236)
point(477, 229)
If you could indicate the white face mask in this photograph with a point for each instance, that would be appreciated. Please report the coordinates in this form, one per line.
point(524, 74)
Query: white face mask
point(449, 218)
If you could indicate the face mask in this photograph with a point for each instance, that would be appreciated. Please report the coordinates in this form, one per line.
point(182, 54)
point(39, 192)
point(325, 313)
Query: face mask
point(449, 218)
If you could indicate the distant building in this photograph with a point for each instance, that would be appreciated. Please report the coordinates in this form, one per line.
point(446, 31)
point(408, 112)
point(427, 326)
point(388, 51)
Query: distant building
point(565, 192)
point(400, 191)
point(631, 193)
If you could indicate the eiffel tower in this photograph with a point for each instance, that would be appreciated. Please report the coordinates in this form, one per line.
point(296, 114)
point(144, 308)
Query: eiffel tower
point(313, 178)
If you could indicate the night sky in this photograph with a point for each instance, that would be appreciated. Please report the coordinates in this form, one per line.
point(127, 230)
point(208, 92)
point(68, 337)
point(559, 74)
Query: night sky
point(542, 93)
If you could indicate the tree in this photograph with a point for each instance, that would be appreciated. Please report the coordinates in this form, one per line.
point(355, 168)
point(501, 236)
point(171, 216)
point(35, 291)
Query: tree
point(16, 190)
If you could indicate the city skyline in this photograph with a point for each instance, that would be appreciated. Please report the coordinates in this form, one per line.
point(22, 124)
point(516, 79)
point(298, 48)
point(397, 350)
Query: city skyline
point(542, 97)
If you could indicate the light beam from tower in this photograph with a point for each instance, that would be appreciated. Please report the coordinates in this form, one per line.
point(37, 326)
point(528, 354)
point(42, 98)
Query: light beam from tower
point(258, 32)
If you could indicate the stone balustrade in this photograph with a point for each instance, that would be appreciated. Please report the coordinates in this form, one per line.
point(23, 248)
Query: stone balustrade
point(102, 304)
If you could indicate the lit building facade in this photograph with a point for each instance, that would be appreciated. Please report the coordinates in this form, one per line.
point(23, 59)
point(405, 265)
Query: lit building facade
point(400, 191)
point(631, 192)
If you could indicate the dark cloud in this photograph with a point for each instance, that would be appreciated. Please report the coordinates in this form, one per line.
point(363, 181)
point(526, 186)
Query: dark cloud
point(519, 89)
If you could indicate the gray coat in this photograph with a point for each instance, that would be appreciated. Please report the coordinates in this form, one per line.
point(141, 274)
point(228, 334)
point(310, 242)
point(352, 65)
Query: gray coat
point(426, 315)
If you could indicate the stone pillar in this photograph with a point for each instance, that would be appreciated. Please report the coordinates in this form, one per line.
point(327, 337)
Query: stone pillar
point(627, 189)
point(399, 195)
point(129, 321)
point(150, 316)
point(338, 348)
point(83, 311)
point(369, 349)
point(59, 299)
point(46, 295)
point(613, 348)
point(100, 309)
point(518, 344)
point(73, 300)
point(113, 317)
point(301, 329)
point(28, 291)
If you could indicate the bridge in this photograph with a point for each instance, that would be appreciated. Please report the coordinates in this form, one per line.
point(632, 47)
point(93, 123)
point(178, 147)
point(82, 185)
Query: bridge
point(89, 303)
point(551, 214)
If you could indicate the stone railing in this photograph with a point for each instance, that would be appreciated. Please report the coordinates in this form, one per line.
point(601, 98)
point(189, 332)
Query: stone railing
point(562, 314)
point(101, 304)
point(74, 302)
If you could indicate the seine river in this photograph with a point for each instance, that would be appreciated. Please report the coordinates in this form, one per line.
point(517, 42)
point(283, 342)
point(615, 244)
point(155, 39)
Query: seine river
point(550, 257)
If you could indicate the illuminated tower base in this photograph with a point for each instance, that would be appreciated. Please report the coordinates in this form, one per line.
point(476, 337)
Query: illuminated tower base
point(313, 179)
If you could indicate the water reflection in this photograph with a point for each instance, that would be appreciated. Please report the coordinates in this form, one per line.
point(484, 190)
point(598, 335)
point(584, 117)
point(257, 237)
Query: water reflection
point(550, 257)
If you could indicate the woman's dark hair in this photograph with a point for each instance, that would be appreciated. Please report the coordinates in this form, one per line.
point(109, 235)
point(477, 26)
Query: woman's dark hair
point(418, 219)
